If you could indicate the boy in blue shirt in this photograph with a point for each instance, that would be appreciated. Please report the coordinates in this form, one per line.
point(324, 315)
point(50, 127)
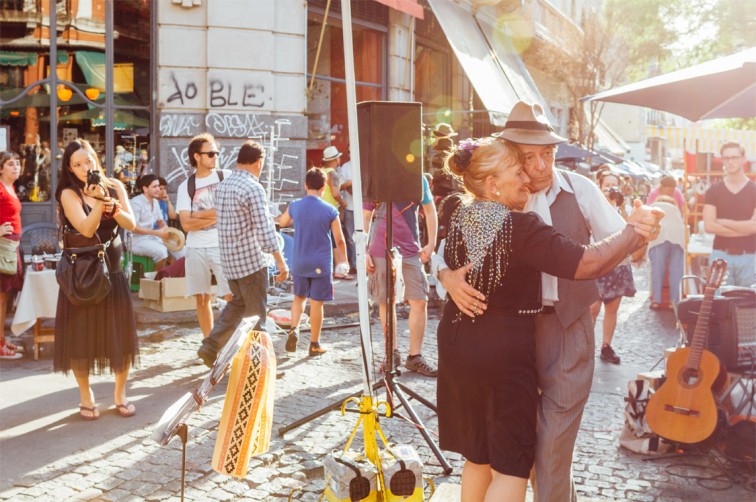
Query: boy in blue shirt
point(312, 267)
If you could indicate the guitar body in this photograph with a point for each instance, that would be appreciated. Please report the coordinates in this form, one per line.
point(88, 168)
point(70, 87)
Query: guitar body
point(683, 408)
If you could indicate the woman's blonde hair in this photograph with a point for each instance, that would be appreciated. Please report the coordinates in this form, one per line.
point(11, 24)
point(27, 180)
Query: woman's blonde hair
point(474, 160)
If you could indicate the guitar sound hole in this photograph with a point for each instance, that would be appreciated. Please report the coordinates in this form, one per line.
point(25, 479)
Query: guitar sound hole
point(690, 377)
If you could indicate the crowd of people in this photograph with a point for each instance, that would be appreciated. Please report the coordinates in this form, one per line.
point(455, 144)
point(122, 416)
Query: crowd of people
point(528, 256)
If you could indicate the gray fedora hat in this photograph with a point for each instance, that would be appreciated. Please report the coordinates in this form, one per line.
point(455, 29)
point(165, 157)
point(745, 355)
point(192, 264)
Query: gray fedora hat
point(528, 125)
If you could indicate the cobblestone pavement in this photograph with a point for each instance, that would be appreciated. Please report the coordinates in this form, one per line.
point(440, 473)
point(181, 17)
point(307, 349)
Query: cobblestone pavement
point(48, 453)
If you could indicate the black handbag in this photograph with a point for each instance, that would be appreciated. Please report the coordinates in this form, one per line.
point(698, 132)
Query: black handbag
point(82, 273)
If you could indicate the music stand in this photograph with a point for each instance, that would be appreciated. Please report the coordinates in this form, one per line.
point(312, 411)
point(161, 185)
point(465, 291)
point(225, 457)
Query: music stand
point(174, 419)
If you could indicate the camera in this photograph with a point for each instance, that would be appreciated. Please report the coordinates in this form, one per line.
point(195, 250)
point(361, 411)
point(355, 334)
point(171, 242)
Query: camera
point(94, 177)
point(615, 194)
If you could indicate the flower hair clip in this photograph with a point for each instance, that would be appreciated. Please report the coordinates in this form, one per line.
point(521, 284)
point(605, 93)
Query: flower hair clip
point(463, 152)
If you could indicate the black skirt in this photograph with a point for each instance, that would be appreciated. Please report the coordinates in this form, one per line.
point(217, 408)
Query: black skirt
point(487, 389)
point(97, 337)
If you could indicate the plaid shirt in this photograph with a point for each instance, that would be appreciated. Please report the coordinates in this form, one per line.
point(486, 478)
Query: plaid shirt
point(245, 226)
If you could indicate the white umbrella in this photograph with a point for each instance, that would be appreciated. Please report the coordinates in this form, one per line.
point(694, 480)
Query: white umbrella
point(721, 88)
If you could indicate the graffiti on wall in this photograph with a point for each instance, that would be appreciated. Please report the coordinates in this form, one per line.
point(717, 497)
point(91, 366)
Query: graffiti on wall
point(179, 124)
point(282, 176)
point(224, 90)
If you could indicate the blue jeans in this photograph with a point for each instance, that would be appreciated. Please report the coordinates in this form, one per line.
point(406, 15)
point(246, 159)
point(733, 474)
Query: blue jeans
point(250, 298)
point(348, 231)
point(667, 260)
point(741, 270)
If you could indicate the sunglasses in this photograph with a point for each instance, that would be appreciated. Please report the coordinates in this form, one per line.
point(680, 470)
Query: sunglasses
point(209, 154)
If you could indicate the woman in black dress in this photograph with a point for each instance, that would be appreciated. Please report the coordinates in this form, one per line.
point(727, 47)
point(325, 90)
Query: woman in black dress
point(89, 339)
point(487, 388)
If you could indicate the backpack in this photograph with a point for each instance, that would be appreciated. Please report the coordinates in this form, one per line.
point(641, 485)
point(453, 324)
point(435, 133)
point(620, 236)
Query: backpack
point(192, 184)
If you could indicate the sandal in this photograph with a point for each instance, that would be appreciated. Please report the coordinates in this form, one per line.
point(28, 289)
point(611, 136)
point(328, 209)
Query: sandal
point(126, 409)
point(655, 306)
point(95, 413)
point(344, 277)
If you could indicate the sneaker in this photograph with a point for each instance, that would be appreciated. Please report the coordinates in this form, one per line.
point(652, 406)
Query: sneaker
point(418, 364)
point(396, 360)
point(14, 347)
point(316, 349)
point(7, 353)
point(207, 355)
point(608, 355)
point(291, 341)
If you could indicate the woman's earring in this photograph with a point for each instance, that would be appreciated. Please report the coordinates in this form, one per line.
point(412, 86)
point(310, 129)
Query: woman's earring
point(498, 193)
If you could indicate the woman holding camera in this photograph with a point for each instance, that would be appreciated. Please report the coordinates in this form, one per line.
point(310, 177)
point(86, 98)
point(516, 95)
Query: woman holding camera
point(617, 283)
point(89, 339)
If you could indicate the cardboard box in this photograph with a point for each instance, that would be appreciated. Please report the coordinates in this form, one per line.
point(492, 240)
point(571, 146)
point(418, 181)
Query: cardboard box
point(166, 295)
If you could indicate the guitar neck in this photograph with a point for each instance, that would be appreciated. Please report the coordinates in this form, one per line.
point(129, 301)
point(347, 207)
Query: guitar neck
point(702, 329)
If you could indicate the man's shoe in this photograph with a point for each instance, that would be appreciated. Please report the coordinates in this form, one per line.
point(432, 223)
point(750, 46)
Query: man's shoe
point(207, 355)
point(418, 364)
point(316, 350)
point(608, 355)
point(291, 341)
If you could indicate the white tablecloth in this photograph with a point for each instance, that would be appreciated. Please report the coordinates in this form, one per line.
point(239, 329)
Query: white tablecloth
point(701, 244)
point(38, 298)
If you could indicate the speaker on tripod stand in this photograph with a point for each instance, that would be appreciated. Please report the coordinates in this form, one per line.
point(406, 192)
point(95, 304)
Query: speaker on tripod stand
point(391, 150)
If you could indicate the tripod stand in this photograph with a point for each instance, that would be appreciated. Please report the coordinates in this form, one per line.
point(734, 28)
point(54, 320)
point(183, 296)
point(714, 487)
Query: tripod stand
point(394, 388)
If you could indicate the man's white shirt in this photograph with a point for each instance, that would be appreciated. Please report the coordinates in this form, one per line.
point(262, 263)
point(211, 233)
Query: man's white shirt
point(602, 220)
point(203, 199)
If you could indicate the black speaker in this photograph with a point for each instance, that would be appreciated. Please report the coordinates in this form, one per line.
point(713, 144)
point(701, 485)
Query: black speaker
point(732, 327)
point(391, 150)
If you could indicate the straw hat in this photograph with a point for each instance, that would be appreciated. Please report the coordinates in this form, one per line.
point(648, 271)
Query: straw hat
point(443, 130)
point(331, 153)
point(528, 125)
point(175, 240)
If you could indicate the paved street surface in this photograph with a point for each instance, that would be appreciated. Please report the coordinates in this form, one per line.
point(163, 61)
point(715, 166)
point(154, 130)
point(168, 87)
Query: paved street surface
point(48, 453)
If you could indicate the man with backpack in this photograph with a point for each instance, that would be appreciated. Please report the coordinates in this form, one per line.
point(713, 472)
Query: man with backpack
point(196, 208)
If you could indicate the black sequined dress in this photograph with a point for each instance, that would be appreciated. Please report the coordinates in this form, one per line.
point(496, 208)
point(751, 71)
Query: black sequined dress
point(487, 385)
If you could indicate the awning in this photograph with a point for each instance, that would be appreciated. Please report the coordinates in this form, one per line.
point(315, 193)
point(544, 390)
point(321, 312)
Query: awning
point(17, 58)
point(410, 7)
point(609, 140)
point(8, 58)
point(511, 62)
point(490, 62)
point(122, 119)
point(92, 65)
point(702, 139)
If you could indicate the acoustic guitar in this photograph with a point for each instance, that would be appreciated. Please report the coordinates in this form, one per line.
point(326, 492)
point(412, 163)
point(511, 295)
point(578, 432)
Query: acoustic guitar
point(683, 408)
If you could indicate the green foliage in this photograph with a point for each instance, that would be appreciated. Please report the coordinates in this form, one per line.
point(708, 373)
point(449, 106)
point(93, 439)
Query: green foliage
point(643, 31)
point(744, 124)
point(719, 28)
point(659, 36)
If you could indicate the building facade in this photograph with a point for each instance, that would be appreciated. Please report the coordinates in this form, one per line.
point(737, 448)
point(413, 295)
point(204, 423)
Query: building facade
point(139, 78)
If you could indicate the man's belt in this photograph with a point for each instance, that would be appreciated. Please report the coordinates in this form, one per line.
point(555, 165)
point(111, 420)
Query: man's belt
point(736, 252)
